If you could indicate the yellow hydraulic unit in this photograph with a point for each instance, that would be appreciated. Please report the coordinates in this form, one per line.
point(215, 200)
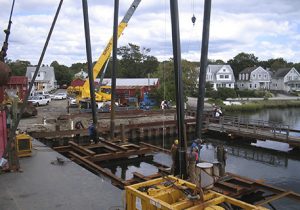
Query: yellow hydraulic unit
point(171, 193)
point(24, 145)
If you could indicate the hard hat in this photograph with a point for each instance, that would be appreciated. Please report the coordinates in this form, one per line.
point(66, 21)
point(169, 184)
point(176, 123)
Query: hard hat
point(176, 141)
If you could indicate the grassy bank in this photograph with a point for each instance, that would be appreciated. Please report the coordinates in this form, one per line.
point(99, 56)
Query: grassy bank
point(258, 105)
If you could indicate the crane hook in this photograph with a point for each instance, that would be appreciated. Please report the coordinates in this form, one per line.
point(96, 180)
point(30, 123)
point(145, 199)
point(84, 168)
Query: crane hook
point(193, 19)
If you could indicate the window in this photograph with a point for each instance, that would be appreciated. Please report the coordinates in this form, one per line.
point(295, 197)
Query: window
point(229, 85)
point(265, 76)
point(240, 77)
point(223, 85)
point(224, 70)
point(250, 85)
point(221, 76)
point(259, 76)
point(254, 86)
point(253, 76)
point(38, 75)
point(242, 85)
point(243, 76)
point(226, 76)
point(247, 76)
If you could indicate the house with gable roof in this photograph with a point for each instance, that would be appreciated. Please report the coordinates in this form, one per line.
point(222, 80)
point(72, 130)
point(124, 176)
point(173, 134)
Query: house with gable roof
point(220, 76)
point(286, 79)
point(254, 78)
point(45, 80)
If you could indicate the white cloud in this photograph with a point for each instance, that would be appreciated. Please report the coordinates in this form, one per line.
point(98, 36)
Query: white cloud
point(267, 28)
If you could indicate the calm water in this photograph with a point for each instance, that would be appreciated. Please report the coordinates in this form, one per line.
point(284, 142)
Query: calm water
point(278, 166)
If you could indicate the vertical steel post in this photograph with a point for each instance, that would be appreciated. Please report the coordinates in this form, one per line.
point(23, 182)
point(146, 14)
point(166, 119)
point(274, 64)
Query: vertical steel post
point(114, 69)
point(25, 102)
point(90, 63)
point(179, 86)
point(203, 66)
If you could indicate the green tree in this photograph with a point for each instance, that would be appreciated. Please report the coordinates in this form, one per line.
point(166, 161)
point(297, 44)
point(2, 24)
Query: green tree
point(76, 67)
point(18, 67)
point(167, 80)
point(242, 61)
point(135, 62)
point(62, 73)
point(216, 62)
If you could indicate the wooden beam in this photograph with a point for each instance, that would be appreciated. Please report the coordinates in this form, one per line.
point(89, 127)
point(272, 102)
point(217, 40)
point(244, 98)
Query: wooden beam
point(118, 155)
point(273, 198)
point(156, 148)
point(97, 169)
point(113, 145)
point(81, 149)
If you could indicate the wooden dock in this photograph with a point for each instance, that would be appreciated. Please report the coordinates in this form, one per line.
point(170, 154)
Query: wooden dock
point(232, 127)
point(254, 129)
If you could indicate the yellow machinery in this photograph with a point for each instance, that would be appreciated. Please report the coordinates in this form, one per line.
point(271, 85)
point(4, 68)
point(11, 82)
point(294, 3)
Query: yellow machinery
point(84, 91)
point(24, 145)
point(172, 193)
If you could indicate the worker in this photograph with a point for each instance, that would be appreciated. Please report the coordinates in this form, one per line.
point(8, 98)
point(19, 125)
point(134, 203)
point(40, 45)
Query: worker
point(175, 155)
point(221, 157)
point(193, 160)
point(92, 133)
point(78, 126)
point(197, 144)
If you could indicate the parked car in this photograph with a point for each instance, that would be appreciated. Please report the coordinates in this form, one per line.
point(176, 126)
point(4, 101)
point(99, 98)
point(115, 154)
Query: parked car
point(48, 97)
point(73, 103)
point(60, 96)
point(39, 100)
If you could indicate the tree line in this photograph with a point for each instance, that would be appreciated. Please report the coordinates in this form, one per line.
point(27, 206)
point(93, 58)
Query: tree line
point(136, 62)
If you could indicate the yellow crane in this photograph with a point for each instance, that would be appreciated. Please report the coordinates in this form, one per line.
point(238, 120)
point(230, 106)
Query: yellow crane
point(104, 92)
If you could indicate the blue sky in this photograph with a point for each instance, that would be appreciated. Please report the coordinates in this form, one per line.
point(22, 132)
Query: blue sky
point(267, 28)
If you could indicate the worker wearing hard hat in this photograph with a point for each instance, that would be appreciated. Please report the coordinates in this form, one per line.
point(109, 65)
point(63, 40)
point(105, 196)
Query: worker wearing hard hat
point(175, 154)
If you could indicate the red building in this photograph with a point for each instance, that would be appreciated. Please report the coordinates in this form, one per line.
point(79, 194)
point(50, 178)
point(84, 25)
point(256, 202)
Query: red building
point(17, 84)
point(133, 87)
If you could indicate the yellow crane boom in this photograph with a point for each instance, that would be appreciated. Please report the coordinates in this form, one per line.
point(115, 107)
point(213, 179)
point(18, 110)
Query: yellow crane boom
point(98, 67)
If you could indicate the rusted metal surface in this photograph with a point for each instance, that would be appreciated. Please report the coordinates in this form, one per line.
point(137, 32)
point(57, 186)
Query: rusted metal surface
point(120, 154)
point(128, 128)
point(236, 186)
point(94, 167)
point(3, 132)
point(5, 73)
point(81, 149)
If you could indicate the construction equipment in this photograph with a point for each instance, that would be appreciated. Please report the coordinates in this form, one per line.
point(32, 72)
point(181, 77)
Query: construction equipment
point(173, 193)
point(83, 92)
point(24, 145)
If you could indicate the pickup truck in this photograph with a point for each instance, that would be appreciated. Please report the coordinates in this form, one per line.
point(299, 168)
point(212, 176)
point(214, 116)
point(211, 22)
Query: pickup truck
point(39, 100)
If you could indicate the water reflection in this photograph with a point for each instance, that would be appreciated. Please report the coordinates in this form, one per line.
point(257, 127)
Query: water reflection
point(290, 116)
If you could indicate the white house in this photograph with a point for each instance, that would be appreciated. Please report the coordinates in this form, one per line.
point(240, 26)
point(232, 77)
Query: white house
point(45, 80)
point(286, 79)
point(254, 78)
point(81, 74)
point(220, 76)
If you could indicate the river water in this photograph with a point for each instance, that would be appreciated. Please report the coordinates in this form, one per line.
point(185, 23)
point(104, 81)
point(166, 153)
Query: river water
point(274, 163)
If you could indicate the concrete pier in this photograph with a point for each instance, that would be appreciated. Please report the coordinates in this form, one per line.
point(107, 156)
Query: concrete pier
point(44, 184)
